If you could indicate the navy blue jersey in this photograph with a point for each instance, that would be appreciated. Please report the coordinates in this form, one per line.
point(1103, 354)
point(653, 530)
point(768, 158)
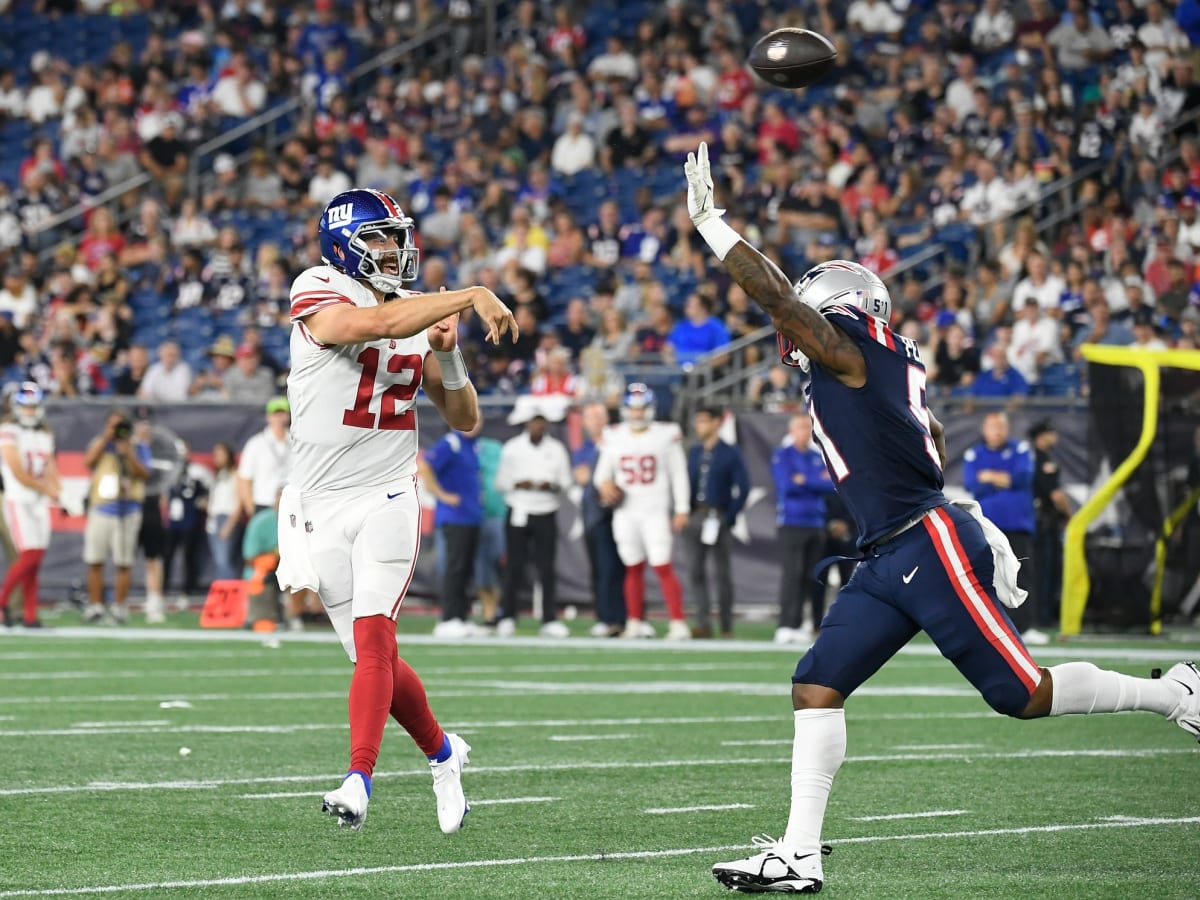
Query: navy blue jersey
point(876, 438)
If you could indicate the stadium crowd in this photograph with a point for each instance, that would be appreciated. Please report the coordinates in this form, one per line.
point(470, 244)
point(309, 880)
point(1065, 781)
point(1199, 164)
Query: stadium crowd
point(550, 172)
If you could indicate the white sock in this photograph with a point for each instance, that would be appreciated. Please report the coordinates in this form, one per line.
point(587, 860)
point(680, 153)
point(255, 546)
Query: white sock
point(817, 753)
point(1080, 687)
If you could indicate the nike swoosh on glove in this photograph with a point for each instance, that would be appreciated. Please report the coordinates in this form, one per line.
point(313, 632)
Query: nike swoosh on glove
point(701, 202)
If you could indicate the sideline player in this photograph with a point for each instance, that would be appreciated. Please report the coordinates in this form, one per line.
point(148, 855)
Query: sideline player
point(31, 478)
point(643, 473)
point(927, 565)
point(349, 524)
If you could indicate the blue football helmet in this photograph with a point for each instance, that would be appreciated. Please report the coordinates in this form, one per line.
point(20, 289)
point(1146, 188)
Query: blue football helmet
point(838, 282)
point(638, 406)
point(349, 219)
point(27, 404)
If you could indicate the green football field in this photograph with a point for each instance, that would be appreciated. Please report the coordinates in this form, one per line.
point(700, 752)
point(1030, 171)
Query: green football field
point(599, 769)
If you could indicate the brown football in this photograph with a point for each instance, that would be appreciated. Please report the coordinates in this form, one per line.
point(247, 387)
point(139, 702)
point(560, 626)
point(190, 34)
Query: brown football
point(792, 57)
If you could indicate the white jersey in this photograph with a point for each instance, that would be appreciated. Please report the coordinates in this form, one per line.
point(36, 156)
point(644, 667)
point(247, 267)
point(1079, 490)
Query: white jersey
point(36, 448)
point(647, 464)
point(354, 421)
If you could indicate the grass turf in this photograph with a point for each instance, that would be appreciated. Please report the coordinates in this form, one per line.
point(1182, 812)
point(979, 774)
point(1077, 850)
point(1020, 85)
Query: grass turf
point(585, 738)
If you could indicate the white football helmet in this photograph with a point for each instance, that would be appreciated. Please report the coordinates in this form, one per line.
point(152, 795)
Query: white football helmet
point(637, 409)
point(838, 282)
point(27, 404)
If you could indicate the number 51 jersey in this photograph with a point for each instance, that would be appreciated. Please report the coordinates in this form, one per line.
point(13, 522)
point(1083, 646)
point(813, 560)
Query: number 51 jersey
point(354, 421)
point(876, 439)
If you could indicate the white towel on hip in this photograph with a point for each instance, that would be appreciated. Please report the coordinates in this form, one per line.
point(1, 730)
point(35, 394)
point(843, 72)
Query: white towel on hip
point(1004, 561)
point(295, 571)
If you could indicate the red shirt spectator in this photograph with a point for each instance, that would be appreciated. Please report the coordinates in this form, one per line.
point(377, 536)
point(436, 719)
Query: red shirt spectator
point(776, 129)
point(733, 83)
point(100, 239)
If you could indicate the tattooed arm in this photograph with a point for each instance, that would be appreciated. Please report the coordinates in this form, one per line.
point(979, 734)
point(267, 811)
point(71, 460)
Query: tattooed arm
point(813, 334)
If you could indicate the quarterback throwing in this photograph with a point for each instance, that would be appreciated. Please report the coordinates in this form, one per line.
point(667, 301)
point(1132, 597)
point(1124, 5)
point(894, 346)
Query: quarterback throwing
point(349, 528)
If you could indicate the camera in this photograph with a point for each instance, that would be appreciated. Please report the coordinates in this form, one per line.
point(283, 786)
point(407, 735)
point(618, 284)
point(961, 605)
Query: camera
point(122, 429)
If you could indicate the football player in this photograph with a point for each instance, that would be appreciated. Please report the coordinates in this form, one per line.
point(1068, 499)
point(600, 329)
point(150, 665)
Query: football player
point(642, 471)
point(926, 564)
point(362, 346)
point(31, 482)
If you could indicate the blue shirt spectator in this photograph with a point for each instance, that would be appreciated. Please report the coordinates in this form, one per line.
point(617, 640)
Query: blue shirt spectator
point(456, 467)
point(999, 474)
point(801, 479)
point(699, 332)
point(593, 513)
point(1001, 380)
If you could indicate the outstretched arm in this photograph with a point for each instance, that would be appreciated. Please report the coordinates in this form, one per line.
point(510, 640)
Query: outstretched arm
point(827, 346)
point(762, 280)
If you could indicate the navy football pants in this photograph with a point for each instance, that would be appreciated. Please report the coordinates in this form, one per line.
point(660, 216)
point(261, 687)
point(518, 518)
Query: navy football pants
point(937, 578)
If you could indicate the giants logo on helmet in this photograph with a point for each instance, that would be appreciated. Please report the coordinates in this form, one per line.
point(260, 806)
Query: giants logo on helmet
point(340, 215)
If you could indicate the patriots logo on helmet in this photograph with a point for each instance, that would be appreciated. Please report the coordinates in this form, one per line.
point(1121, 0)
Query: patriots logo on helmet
point(353, 218)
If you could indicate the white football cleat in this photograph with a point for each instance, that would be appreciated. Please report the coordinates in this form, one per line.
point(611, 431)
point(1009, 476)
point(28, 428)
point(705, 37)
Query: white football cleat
point(678, 630)
point(506, 628)
point(785, 635)
point(636, 628)
point(349, 802)
point(1034, 638)
point(555, 629)
point(155, 612)
point(774, 870)
point(119, 613)
point(450, 628)
point(598, 630)
point(452, 805)
point(94, 612)
point(1187, 714)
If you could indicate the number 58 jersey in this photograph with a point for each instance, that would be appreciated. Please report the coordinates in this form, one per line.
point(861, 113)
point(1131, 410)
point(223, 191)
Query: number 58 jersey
point(354, 421)
point(648, 465)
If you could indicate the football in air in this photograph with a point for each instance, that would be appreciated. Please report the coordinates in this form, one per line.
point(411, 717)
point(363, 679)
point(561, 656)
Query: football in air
point(792, 57)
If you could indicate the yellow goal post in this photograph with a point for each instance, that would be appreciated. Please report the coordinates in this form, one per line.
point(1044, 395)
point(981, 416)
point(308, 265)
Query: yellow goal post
point(1076, 583)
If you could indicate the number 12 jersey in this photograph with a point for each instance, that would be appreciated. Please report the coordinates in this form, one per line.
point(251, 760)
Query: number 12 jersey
point(354, 421)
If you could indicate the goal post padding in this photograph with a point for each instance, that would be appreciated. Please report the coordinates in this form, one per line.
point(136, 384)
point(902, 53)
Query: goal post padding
point(1141, 424)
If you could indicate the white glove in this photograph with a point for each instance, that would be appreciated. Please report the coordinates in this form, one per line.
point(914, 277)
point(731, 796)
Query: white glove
point(701, 204)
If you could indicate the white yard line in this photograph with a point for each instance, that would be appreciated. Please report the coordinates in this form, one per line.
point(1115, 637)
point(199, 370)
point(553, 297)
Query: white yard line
point(768, 742)
point(545, 645)
point(670, 810)
point(586, 766)
point(589, 737)
point(932, 814)
point(326, 874)
point(136, 724)
point(938, 746)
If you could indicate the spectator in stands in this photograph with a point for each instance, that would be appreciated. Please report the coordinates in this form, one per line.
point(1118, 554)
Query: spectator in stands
point(168, 379)
point(653, 339)
point(628, 143)
point(999, 474)
point(131, 375)
point(574, 150)
point(239, 93)
point(165, 155)
point(801, 485)
point(247, 381)
point(1000, 380)
point(1174, 300)
point(614, 339)
point(556, 378)
point(699, 332)
point(441, 227)
point(450, 471)
point(576, 332)
point(18, 297)
point(720, 487)
point(1039, 283)
point(1147, 333)
point(956, 361)
point(1036, 341)
point(775, 392)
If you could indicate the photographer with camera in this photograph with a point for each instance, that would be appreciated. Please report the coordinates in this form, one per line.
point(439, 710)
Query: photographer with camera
point(119, 468)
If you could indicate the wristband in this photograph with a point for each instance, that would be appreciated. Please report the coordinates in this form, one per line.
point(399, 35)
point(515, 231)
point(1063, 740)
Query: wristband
point(454, 369)
point(719, 236)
